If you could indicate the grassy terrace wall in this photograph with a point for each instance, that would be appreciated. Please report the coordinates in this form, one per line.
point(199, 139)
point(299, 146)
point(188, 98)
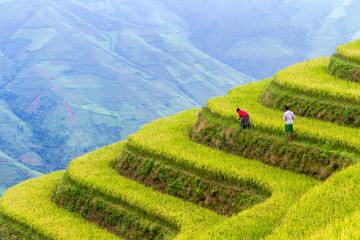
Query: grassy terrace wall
point(12, 230)
point(29, 204)
point(316, 161)
point(344, 69)
point(221, 198)
point(341, 113)
point(112, 217)
point(321, 212)
point(346, 63)
point(312, 78)
point(161, 184)
point(350, 51)
point(95, 171)
point(328, 211)
point(268, 120)
point(168, 140)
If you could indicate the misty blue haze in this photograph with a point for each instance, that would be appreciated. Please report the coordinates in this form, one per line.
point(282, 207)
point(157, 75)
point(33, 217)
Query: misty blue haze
point(77, 75)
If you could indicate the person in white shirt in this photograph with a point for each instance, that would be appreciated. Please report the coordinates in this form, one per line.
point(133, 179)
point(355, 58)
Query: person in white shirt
point(288, 117)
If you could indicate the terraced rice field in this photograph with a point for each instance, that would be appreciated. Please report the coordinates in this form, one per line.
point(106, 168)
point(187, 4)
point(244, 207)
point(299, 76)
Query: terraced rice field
point(198, 175)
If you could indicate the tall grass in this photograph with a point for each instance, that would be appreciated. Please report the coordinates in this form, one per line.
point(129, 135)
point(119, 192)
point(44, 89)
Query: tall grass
point(299, 207)
point(329, 211)
point(312, 78)
point(95, 172)
point(248, 98)
point(167, 139)
point(350, 51)
point(29, 203)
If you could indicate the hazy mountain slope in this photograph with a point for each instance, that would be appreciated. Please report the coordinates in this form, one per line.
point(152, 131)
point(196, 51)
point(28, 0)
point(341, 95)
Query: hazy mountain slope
point(342, 24)
point(262, 37)
point(12, 172)
point(76, 75)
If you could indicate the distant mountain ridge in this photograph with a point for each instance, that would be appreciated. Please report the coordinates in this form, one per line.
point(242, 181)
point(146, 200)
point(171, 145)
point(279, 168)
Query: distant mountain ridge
point(200, 175)
point(262, 37)
point(77, 75)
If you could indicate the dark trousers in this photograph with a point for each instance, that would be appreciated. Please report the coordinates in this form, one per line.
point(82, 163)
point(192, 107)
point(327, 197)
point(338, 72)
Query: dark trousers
point(245, 122)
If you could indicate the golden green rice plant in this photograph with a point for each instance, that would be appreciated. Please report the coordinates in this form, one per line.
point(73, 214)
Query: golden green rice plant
point(95, 171)
point(167, 139)
point(312, 78)
point(299, 207)
point(248, 98)
point(328, 211)
point(350, 51)
point(321, 211)
point(347, 228)
point(29, 204)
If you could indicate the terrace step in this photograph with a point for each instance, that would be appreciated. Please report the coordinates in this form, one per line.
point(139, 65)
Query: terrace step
point(29, 204)
point(341, 113)
point(297, 206)
point(106, 214)
point(320, 211)
point(344, 69)
point(264, 119)
point(168, 140)
point(223, 199)
point(315, 161)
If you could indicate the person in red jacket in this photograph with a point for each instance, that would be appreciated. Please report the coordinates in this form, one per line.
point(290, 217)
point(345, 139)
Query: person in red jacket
point(245, 118)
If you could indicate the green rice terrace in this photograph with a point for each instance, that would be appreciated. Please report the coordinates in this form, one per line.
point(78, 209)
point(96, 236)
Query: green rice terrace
point(198, 175)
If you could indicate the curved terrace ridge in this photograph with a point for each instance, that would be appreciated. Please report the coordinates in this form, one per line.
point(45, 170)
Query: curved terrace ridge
point(298, 206)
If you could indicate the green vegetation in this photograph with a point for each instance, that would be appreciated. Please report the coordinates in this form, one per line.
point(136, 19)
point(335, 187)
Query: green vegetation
point(316, 161)
point(285, 187)
point(329, 110)
point(12, 230)
point(346, 62)
point(265, 119)
point(345, 228)
point(320, 212)
point(312, 78)
point(29, 204)
point(325, 209)
point(223, 199)
point(95, 171)
point(112, 217)
point(162, 184)
point(344, 69)
point(350, 51)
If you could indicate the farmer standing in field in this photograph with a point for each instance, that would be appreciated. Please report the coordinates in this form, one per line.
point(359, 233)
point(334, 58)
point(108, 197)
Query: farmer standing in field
point(288, 117)
point(245, 118)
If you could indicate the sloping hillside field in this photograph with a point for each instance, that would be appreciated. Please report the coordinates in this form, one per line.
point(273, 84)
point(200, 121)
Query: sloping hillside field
point(198, 175)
